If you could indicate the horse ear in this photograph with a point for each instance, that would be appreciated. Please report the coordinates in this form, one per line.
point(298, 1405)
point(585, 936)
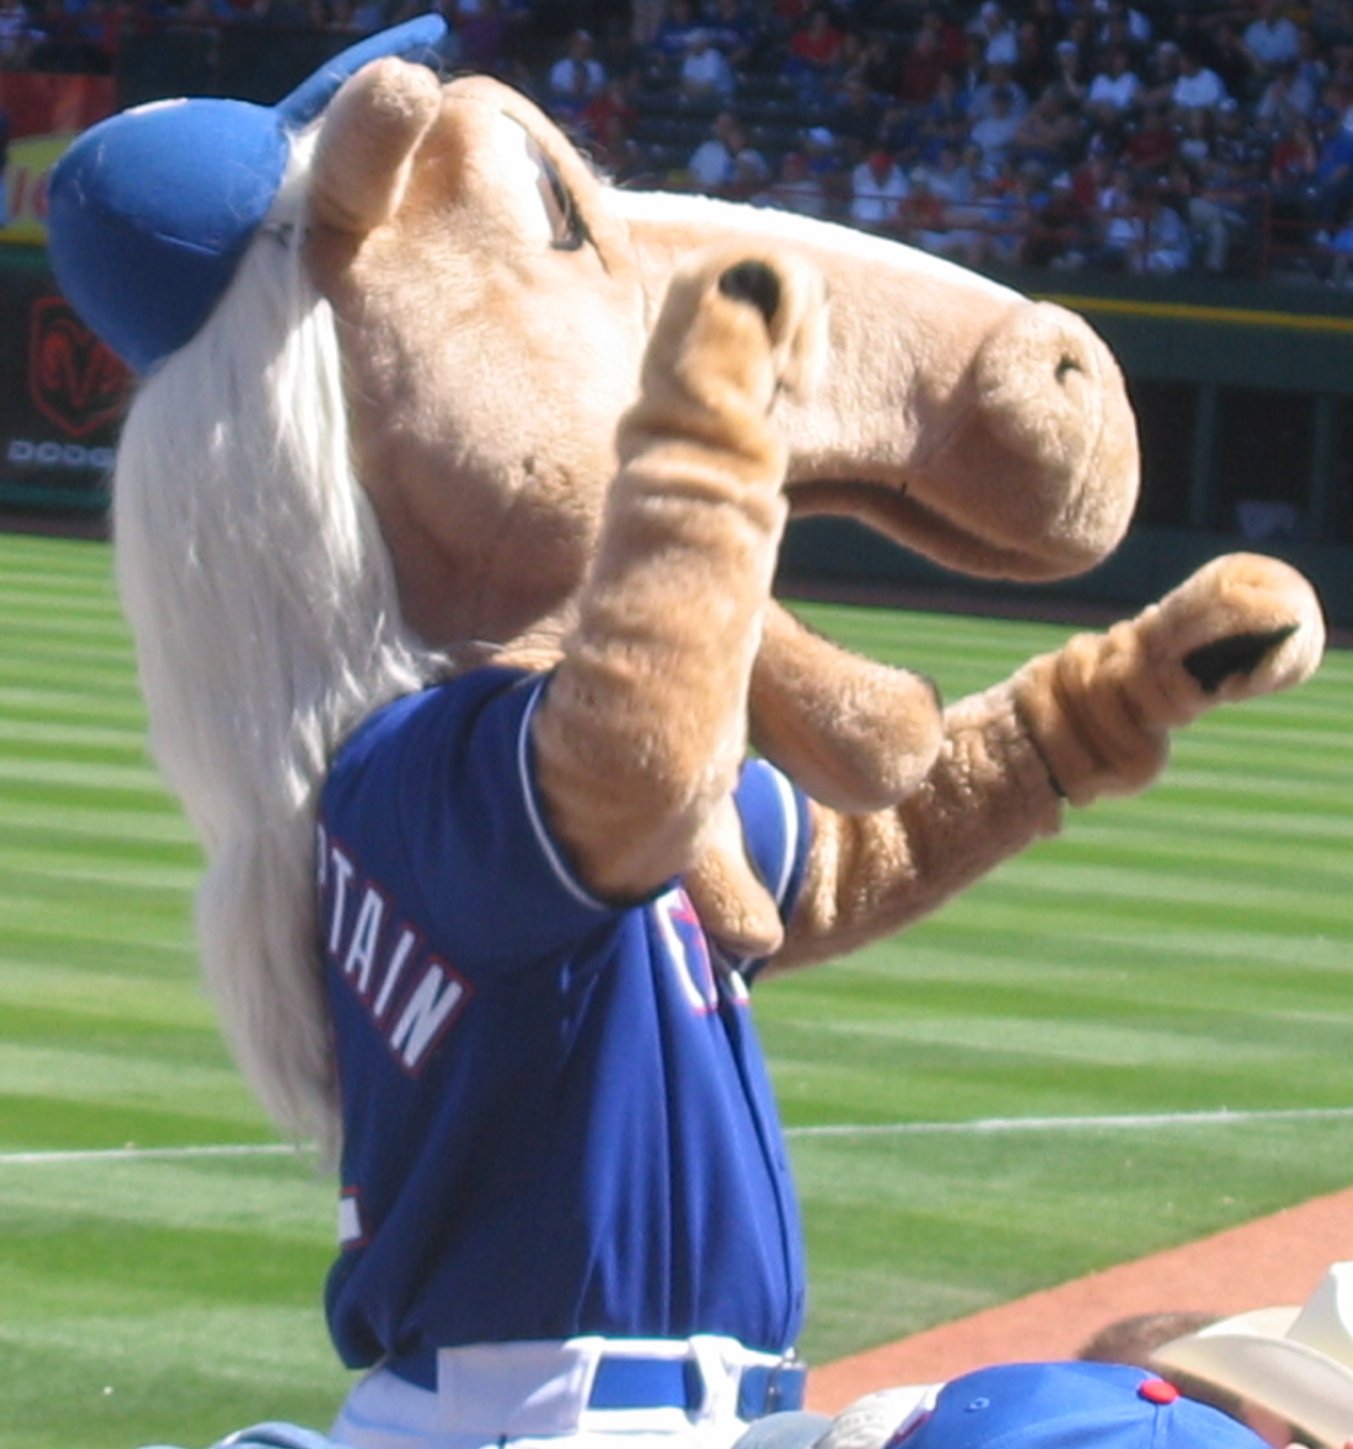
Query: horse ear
point(367, 142)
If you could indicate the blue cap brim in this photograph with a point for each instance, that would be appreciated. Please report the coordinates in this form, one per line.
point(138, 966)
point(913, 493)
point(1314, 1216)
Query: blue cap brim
point(150, 211)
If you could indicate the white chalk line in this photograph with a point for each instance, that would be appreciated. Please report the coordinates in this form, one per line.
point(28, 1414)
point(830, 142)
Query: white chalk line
point(978, 1126)
point(147, 1154)
point(1220, 1117)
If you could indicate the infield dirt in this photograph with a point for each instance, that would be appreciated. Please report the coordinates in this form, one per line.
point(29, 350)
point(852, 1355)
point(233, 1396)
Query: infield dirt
point(1274, 1260)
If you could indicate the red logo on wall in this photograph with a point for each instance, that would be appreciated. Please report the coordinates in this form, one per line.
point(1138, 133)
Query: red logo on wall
point(75, 380)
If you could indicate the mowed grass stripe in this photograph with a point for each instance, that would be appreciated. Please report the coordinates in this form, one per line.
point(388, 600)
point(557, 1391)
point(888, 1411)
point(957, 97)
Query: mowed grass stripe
point(921, 1233)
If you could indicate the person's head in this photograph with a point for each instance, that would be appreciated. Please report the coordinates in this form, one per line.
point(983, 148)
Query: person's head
point(1292, 1367)
point(794, 166)
point(1136, 1338)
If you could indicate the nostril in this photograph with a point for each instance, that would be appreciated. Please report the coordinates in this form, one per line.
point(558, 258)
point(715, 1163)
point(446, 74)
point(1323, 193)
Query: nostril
point(1067, 364)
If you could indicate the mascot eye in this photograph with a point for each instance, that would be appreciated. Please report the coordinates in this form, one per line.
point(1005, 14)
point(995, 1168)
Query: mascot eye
point(537, 190)
point(566, 227)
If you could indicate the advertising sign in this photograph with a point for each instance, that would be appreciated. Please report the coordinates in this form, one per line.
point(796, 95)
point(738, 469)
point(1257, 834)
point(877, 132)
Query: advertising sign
point(61, 396)
point(40, 115)
point(61, 390)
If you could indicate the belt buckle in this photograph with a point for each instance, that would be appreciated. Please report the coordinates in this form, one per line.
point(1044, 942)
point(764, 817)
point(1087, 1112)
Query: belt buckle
point(771, 1388)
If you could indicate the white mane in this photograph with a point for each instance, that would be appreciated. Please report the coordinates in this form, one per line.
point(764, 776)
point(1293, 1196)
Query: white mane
point(266, 621)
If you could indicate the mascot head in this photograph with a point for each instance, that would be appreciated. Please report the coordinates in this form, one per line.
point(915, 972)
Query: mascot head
point(385, 332)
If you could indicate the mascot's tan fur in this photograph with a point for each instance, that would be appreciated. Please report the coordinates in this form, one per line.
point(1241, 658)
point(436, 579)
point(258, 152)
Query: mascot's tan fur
point(580, 419)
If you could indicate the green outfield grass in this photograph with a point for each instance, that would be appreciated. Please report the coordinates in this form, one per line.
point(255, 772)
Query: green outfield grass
point(1005, 1097)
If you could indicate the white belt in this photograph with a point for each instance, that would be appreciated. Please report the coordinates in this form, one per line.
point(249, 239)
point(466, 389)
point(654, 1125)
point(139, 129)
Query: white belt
point(525, 1390)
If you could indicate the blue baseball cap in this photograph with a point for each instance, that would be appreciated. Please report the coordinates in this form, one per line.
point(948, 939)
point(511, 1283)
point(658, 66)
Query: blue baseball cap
point(150, 211)
point(1068, 1406)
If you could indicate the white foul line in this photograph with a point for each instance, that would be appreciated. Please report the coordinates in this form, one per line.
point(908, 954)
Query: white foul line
point(977, 1126)
point(147, 1154)
point(1221, 1117)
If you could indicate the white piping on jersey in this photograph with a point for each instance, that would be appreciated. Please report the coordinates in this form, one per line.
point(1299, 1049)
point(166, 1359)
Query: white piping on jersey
point(556, 862)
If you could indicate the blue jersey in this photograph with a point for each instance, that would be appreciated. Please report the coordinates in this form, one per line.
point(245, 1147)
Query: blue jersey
point(557, 1119)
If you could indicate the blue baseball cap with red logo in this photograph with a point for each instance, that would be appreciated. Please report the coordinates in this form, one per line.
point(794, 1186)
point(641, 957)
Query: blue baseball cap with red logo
point(151, 211)
point(1067, 1406)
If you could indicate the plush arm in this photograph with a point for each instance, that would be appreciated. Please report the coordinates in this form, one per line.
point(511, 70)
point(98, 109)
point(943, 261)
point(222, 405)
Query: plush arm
point(643, 729)
point(1091, 719)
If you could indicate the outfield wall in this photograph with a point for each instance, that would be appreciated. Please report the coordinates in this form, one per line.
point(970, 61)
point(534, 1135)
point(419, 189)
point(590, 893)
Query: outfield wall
point(1244, 397)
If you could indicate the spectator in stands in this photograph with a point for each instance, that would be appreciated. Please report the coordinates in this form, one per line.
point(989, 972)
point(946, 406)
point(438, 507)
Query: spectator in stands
point(1311, 66)
point(705, 74)
point(877, 188)
point(1034, 70)
point(856, 117)
point(1070, 71)
point(944, 120)
point(946, 177)
point(711, 161)
point(796, 188)
point(812, 53)
point(1015, 199)
point(1050, 134)
point(998, 77)
point(1199, 87)
point(672, 38)
point(922, 217)
point(733, 29)
point(1340, 252)
point(1060, 233)
point(824, 161)
point(1332, 183)
point(1145, 236)
point(1160, 75)
point(994, 135)
point(1291, 176)
point(1152, 144)
point(646, 17)
point(1234, 65)
point(4, 161)
point(971, 71)
point(922, 68)
point(1271, 38)
point(1239, 154)
point(16, 40)
point(485, 36)
point(1126, 26)
point(1115, 213)
point(1167, 248)
point(611, 113)
point(879, 61)
point(1209, 221)
point(992, 27)
point(576, 78)
point(1289, 95)
point(1113, 91)
point(727, 164)
point(1195, 138)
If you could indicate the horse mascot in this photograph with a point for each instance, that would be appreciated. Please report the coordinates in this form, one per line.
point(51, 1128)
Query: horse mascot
point(447, 512)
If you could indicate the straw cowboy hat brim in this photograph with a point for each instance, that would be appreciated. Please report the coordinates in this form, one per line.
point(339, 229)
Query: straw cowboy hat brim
point(1296, 1362)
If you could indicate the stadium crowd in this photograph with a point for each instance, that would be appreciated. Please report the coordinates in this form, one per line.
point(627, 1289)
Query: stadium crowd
point(1207, 136)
